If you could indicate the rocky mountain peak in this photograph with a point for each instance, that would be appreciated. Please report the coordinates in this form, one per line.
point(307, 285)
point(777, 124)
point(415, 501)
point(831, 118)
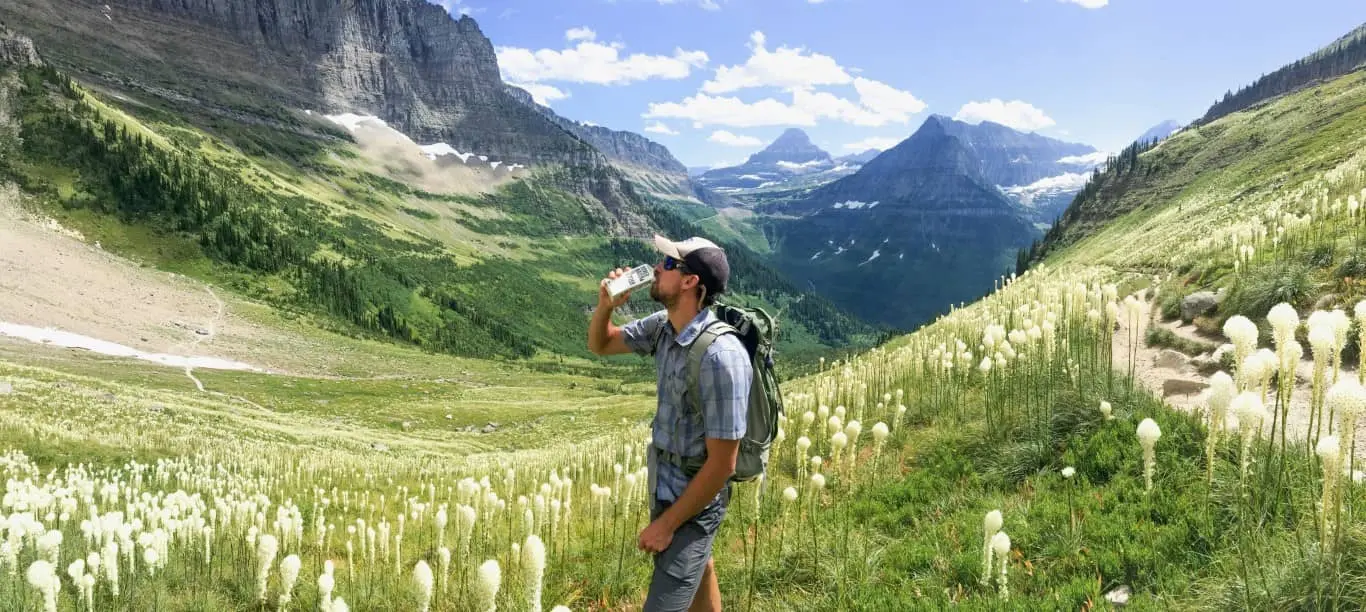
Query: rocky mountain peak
point(792, 146)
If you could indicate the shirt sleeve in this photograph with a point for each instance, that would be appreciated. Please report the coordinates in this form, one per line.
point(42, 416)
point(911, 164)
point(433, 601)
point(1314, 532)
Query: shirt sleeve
point(725, 379)
point(640, 333)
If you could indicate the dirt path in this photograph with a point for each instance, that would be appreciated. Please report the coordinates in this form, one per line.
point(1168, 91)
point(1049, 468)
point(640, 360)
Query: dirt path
point(1182, 387)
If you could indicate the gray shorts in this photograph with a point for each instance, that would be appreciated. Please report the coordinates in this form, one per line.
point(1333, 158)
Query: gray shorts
point(678, 570)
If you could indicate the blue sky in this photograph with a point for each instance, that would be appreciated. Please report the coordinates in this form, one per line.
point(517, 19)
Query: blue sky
point(715, 80)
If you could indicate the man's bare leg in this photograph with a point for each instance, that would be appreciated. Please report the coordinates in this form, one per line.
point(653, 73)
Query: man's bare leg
point(708, 597)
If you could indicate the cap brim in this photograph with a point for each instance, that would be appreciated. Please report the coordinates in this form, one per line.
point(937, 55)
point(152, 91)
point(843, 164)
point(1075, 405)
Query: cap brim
point(667, 247)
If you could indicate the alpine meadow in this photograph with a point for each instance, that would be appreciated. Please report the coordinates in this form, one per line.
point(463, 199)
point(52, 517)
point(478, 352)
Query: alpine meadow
point(295, 302)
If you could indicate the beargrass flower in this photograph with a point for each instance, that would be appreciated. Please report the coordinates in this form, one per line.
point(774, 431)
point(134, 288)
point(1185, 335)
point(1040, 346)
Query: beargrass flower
point(1148, 433)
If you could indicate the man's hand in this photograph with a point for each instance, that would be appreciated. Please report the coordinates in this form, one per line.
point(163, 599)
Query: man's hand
point(605, 299)
point(657, 536)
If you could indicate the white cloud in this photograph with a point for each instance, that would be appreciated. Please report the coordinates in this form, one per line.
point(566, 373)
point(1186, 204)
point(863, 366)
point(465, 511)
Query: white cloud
point(1015, 114)
point(574, 34)
point(710, 5)
point(797, 73)
point(542, 94)
point(593, 62)
point(733, 140)
point(457, 7)
point(704, 110)
point(658, 127)
point(1091, 4)
point(788, 67)
point(873, 142)
point(878, 105)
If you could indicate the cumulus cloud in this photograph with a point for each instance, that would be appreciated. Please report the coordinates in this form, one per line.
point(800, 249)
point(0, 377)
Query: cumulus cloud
point(733, 140)
point(710, 5)
point(878, 105)
point(590, 61)
point(658, 127)
point(787, 67)
point(797, 73)
point(1015, 114)
point(1090, 4)
point(574, 34)
point(873, 142)
point(541, 93)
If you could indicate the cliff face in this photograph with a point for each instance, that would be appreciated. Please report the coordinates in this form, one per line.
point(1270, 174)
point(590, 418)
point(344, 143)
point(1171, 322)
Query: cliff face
point(406, 61)
point(647, 162)
point(16, 50)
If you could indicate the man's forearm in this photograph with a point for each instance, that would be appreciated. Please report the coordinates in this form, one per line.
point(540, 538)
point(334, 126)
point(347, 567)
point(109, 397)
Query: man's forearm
point(599, 328)
point(700, 491)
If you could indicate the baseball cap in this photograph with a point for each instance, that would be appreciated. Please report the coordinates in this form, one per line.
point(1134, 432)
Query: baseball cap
point(702, 257)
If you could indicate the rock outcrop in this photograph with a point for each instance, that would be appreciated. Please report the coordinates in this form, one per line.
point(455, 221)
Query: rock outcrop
point(16, 50)
point(433, 77)
point(408, 62)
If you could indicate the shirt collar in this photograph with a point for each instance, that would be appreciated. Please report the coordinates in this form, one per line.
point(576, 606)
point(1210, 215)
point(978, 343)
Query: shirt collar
point(694, 327)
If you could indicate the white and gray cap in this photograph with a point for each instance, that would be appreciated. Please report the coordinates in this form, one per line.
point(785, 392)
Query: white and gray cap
point(702, 257)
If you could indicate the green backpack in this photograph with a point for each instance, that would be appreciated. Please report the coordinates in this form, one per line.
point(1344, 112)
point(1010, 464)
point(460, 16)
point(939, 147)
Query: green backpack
point(756, 329)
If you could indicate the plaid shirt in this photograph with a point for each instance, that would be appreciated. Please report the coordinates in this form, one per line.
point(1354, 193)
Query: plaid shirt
point(724, 379)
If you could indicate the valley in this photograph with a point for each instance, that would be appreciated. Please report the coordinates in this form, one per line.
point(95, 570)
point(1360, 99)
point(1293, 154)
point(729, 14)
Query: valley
point(272, 341)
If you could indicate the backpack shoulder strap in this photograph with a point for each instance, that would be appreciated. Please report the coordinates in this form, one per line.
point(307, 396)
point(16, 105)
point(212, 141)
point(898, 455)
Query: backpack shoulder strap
point(696, 351)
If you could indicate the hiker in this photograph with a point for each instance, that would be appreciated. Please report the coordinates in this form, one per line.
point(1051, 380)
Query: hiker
point(686, 512)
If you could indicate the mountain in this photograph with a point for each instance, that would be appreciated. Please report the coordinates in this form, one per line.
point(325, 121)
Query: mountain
point(789, 159)
point(928, 223)
point(407, 62)
point(1339, 57)
point(859, 158)
point(289, 151)
point(1233, 137)
point(1160, 131)
point(650, 166)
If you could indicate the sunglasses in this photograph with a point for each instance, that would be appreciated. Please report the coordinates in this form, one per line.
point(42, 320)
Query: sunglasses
point(671, 264)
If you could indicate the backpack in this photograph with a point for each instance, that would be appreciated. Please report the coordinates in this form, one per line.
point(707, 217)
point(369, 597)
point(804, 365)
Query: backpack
point(756, 329)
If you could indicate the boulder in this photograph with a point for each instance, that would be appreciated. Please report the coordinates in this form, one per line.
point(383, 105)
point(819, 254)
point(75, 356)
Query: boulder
point(1198, 303)
point(379, 447)
point(1325, 302)
point(1182, 386)
point(1119, 596)
point(406, 425)
point(1170, 359)
point(490, 428)
point(6, 388)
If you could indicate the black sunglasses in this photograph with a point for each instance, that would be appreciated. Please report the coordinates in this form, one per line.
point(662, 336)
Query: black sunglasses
point(670, 263)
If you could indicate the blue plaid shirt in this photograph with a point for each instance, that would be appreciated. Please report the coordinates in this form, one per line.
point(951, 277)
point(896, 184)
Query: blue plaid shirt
point(724, 379)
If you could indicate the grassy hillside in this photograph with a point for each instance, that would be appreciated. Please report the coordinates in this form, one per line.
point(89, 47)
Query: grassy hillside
point(306, 222)
point(1019, 403)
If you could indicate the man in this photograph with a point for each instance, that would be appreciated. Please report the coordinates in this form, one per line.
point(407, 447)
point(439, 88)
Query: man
point(686, 512)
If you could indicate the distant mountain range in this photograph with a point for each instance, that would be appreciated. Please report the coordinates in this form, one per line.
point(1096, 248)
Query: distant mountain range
point(792, 161)
point(927, 223)
point(1160, 131)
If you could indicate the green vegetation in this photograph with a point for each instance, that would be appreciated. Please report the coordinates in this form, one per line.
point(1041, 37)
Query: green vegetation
point(275, 239)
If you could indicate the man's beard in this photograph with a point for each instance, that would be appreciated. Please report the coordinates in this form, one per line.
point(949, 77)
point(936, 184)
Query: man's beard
point(659, 297)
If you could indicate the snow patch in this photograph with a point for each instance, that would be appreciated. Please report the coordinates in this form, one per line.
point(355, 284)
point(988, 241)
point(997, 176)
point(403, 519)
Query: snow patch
point(1069, 182)
point(433, 151)
point(750, 177)
point(876, 253)
point(802, 167)
point(352, 121)
point(1090, 159)
point(818, 254)
point(855, 204)
point(64, 339)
